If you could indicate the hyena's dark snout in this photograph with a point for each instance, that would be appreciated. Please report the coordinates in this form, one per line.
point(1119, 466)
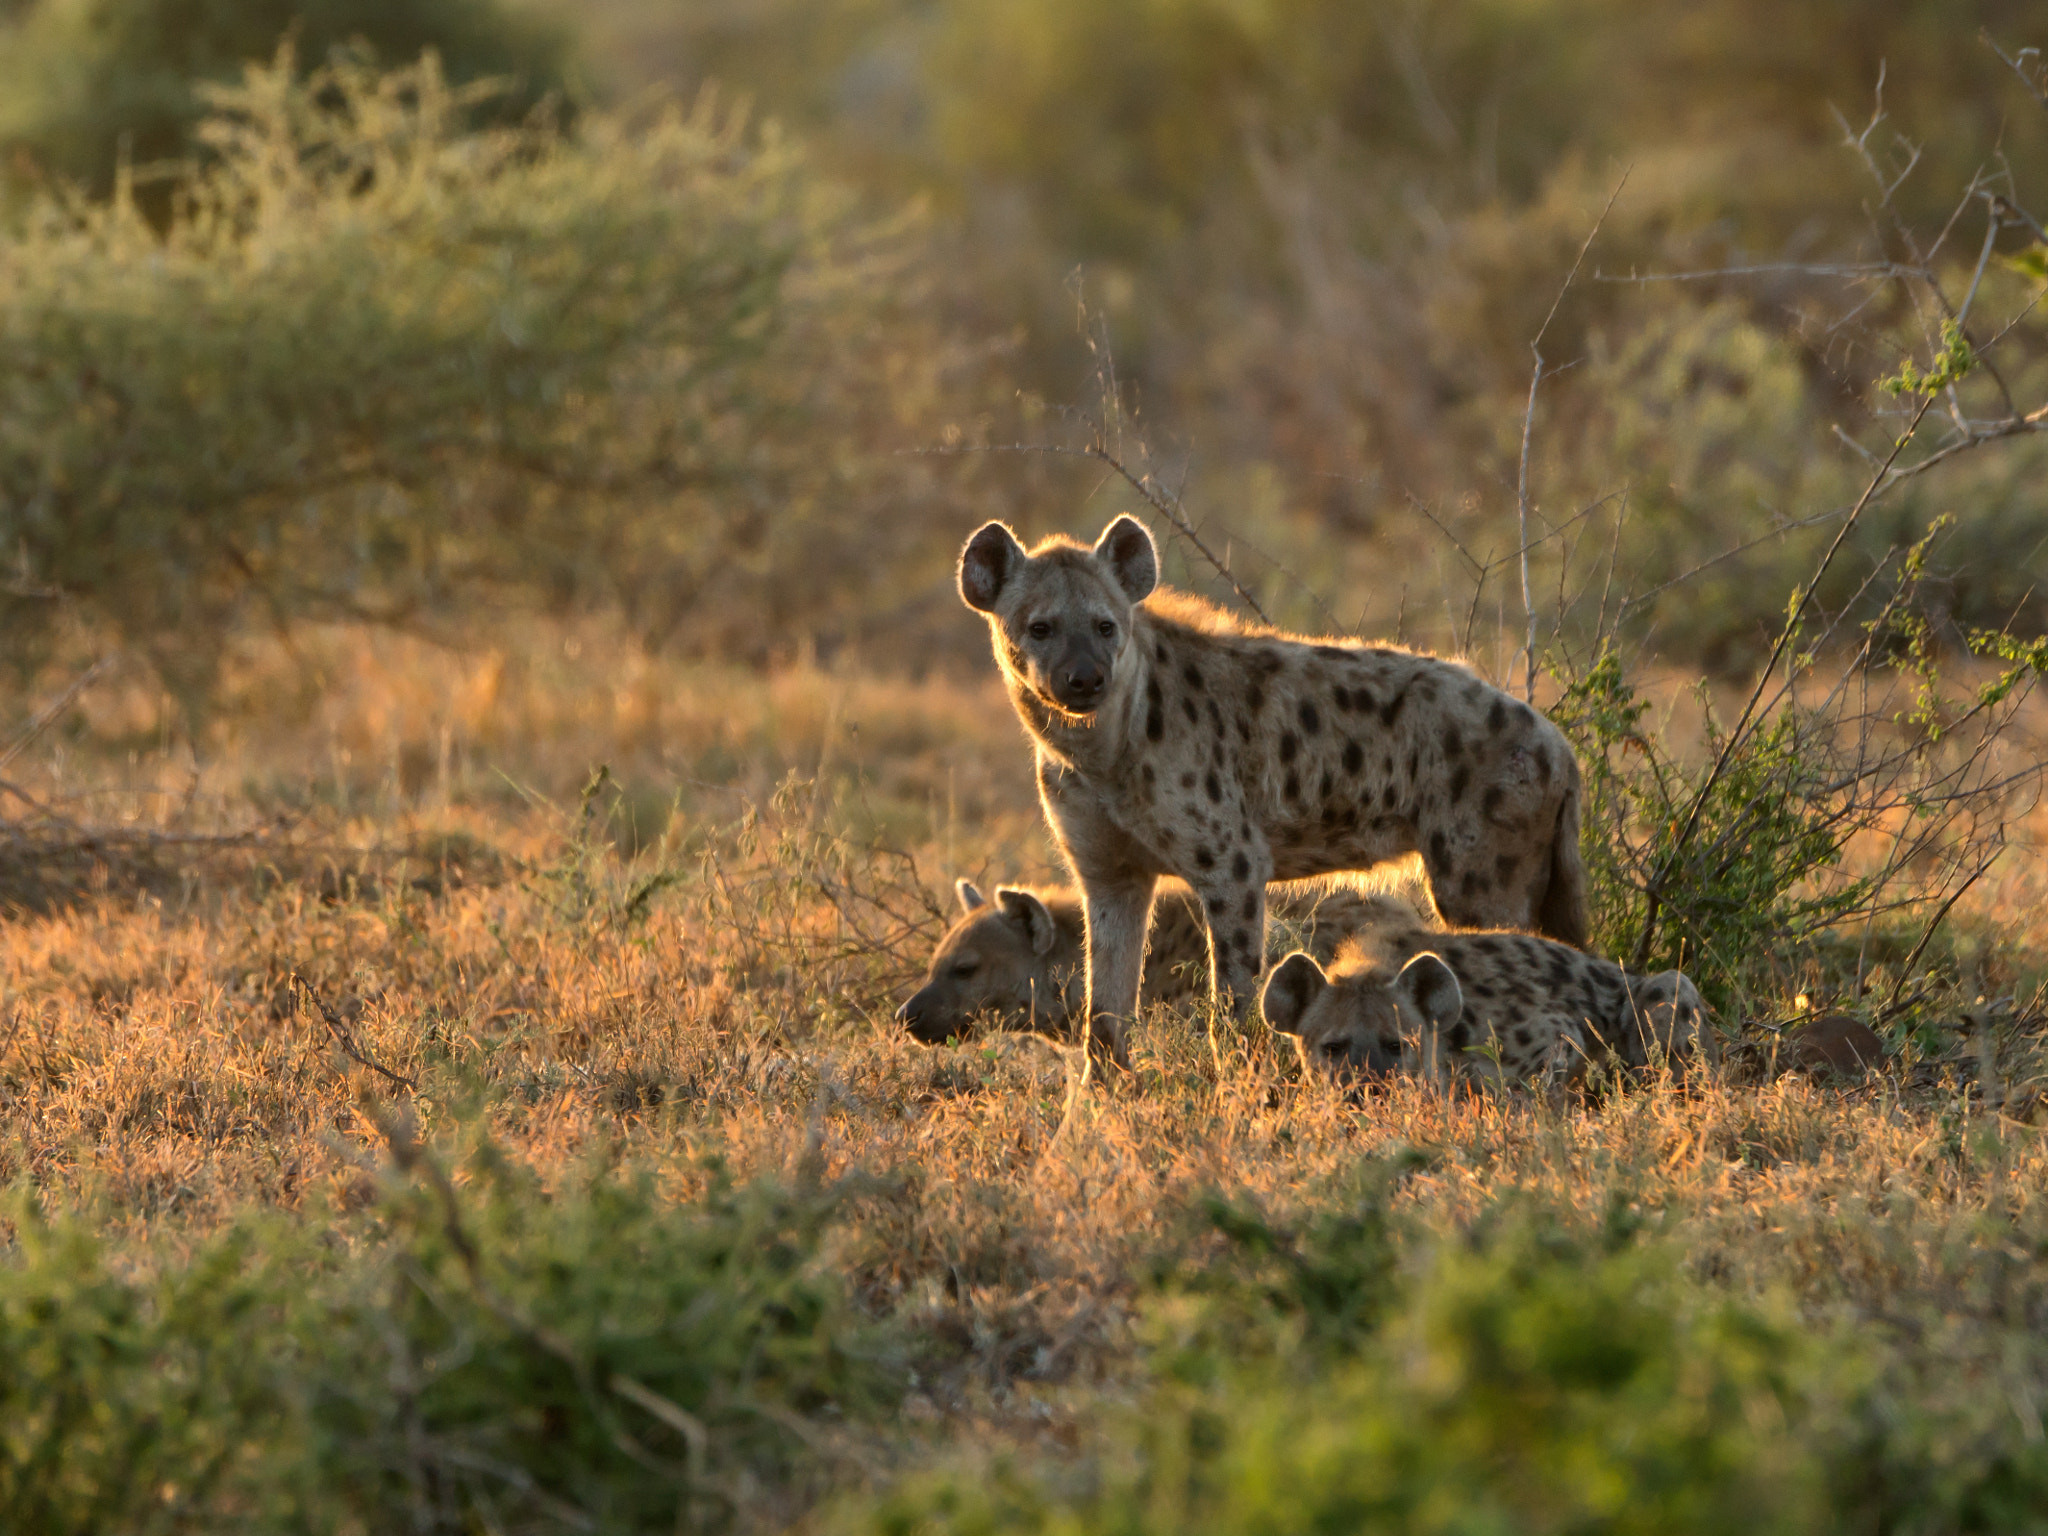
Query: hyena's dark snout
point(1080, 681)
point(1362, 1061)
point(925, 1019)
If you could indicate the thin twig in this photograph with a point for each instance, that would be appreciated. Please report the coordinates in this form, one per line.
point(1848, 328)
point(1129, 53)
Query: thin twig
point(2033, 82)
point(1528, 424)
point(49, 713)
point(2021, 426)
point(1444, 528)
point(1855, 269)
point(1165, 505)
point(1906, 970)
point(1522, 515)
point(1736, 735)
point(346, 1041)
point(1983, 260)
point(1170, 510)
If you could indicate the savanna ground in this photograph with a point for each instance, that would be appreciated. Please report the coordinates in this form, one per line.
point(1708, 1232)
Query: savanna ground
point(608, 1195)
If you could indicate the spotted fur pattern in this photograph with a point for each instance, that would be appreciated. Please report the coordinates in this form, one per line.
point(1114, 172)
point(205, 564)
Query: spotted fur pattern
point(1018, 962)
point(1497, 1005)
point(1172, 741)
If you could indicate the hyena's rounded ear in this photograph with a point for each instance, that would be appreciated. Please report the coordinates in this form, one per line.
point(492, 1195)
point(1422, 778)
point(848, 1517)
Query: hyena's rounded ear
point(990, 559)
point(1295, 983)
point(1428, 986)
point(1026, 910)
point(971, 899)
point(1126, 547)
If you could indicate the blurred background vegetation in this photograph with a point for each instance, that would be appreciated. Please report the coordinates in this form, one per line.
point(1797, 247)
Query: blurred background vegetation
point(650, 308)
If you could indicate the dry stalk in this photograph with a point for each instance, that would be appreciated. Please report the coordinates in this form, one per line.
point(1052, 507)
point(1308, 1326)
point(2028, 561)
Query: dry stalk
point(1528, 424)
point(1736, 737)
point(345, 1040)
point(49, 713)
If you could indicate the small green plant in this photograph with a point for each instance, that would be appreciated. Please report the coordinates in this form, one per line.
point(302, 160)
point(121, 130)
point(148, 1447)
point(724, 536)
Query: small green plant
point(1735, 867)
point(1951, 363)
point(1849, 787)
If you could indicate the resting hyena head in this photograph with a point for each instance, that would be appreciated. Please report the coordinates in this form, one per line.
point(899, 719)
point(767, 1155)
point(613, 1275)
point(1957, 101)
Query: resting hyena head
point(1010, 961)
point(1672, 1016)
point(1364, 1021)
point(1062, 615)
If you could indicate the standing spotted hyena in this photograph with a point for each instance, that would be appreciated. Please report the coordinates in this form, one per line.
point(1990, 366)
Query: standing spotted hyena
point(1502, 1006)
point(1171, 740)
point(1019, 961)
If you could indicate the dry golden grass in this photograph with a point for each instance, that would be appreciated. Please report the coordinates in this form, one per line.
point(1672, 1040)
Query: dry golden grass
point(157, 1073)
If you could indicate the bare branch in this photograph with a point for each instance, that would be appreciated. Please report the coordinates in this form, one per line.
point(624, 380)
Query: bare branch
point(1861, 270)
point(50, 712)
point(1166, 504)
point(345, 1040)
point(1743, 721)
point(1170, 509)
point(1528, 423)
point(2035, 81)
point(1934, 923)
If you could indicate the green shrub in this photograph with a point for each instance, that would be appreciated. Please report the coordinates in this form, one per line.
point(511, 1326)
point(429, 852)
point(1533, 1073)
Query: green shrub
point(1842, 790)
point(126, 1404)
point(380, 363)
point(1534, 1375)
point(599, 1359)
point(1756, 869)
point(87, 83)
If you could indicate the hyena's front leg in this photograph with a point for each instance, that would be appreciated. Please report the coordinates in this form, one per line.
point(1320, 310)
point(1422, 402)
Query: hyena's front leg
point(1119, 911)
point(1117, 876)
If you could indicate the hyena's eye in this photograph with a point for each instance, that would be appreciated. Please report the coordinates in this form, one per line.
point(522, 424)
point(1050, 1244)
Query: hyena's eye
point(1107, 629)
point(1039, 629)
point(1336, 1050)
point(966, 968)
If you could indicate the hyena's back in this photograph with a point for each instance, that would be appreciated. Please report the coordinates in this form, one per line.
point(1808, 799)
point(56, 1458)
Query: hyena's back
point(1349, 756)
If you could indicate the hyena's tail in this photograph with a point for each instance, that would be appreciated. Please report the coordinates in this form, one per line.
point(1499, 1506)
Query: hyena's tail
point(1563, 915)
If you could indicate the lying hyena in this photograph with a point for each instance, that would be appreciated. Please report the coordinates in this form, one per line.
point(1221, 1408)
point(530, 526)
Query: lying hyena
point(1172, 741)
point(1502, 1006)
point(1018, 961)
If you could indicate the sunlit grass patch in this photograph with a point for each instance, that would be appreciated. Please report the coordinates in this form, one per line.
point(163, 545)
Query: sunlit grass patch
point(1014, 1262)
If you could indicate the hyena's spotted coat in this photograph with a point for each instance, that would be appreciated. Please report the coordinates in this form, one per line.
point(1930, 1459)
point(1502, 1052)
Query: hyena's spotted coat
point(1499, 1005)
point(1172, 741)
point(1018, 962)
